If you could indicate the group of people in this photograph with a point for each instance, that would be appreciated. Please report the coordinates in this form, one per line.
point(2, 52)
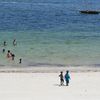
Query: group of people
point(65, 77)
point(14, 43)
point(9, 53)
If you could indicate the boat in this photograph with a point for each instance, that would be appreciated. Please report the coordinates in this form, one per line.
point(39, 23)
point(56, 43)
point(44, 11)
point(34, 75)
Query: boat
point(89, 12)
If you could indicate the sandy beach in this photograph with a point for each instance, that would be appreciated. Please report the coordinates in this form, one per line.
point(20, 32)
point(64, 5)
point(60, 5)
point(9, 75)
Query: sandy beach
point(45, 86)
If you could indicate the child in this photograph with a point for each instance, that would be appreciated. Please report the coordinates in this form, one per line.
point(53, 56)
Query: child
point(67, 77)
point(61, 78)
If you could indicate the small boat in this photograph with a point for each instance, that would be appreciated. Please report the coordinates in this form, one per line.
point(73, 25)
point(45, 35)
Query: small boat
point(89, 12)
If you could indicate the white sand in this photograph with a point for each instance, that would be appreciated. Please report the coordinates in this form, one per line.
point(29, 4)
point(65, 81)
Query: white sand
point(45, 86)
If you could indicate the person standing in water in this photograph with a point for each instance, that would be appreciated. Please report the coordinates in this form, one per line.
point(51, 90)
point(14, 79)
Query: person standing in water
point(13, 56)
point(14, 42)
point(8, 54)
point(3, 50)
point(67, 78)
point(4, 43)
point(20, 61)
point(61, 78)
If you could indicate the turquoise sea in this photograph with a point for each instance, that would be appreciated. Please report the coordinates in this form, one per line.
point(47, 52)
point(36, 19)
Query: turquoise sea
point(50, 32)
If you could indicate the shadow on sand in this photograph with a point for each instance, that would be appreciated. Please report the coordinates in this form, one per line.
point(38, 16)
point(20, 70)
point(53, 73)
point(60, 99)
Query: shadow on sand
point(59, 85)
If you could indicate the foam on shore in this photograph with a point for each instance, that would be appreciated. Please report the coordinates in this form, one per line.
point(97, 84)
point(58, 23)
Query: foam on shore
point(47, 69)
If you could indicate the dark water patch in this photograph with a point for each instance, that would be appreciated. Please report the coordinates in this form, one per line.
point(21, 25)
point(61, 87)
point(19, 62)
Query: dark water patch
point(2, 65)
point(72, 42)
point(96, 65)
point(47, 64)
point(64, 65)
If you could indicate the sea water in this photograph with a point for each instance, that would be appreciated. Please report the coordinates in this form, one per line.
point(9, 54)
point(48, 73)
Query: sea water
point(50, 32)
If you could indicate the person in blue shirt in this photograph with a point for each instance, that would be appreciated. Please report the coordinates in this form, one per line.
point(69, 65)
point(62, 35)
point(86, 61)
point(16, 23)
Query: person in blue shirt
point(67, 78)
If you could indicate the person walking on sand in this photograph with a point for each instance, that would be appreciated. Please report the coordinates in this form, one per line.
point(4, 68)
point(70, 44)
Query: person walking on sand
point(61, 78)
point(67, 77)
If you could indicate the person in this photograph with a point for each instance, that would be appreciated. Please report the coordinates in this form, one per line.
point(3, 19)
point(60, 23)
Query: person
point(13, 56)
point(67, 77)
point(61, 78)
point(4, 43)
point(14, 42)
point(3, 50)
point(20, 61)
point(8, 54)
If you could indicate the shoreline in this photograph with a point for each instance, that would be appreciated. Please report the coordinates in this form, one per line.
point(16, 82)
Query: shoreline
point(48, 69)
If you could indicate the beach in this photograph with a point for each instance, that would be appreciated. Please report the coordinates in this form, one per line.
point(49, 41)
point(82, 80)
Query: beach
point(46, 86)
point(39, 39)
